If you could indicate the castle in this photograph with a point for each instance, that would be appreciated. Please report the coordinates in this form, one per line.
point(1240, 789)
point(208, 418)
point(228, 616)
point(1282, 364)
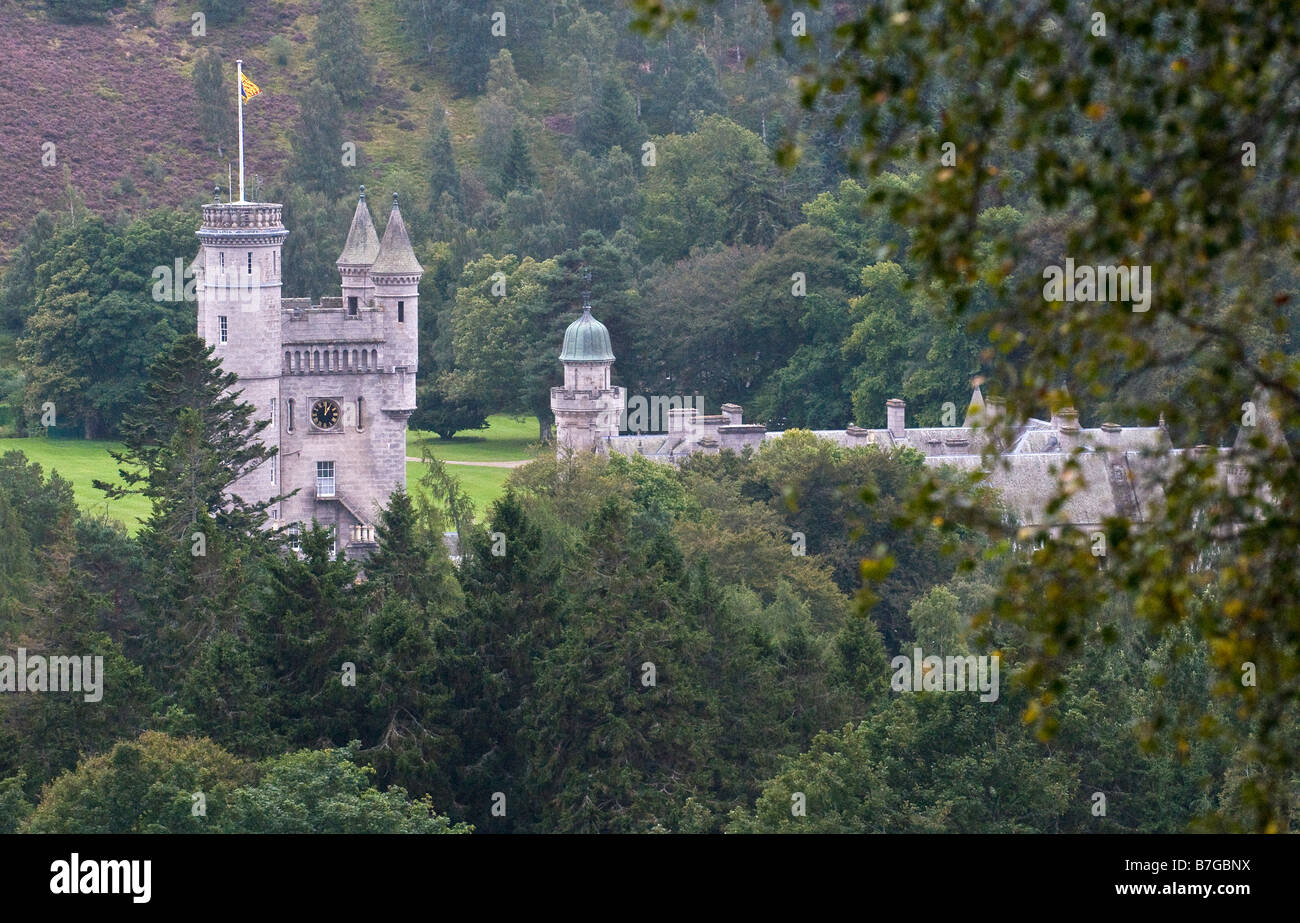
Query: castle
point(336, 380)
point(1121, 468)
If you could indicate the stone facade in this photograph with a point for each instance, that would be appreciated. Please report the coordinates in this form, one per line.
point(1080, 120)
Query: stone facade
point(1122, 468)
point(335, 379)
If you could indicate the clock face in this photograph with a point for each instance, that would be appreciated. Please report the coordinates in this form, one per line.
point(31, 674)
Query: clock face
point(325, 414)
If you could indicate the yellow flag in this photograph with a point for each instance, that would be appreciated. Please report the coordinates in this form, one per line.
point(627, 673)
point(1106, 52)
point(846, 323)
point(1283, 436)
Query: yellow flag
point(247, 88)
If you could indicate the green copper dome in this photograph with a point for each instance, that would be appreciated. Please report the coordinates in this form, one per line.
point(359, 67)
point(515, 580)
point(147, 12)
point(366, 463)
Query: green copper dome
point(586, 340)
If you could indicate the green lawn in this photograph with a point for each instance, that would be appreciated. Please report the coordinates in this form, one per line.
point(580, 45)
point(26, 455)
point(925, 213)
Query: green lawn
point(483, 485)
point(505, 439)
point(81, 461)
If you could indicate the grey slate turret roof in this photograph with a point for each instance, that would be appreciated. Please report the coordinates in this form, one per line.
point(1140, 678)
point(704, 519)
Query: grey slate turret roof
point(363, 243)
point(396, 256)
point(586, 340)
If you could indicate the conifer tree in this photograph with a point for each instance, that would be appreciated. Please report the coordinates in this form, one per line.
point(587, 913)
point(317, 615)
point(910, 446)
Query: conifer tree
point(444, 177)
point(317, 163)
point(517, 172)
point(186, 445)
point(215, 99)
point(341, 58)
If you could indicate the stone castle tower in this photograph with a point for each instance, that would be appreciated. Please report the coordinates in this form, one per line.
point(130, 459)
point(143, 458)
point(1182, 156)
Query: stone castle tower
point(587, 408)
point(336, 380)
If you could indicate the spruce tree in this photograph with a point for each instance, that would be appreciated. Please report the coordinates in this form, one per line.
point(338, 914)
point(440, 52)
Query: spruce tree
point(444, 177)
point(317, 164)
point(341, 59)
point(611, 121)
point(518, 172)
point(215, 99)
point(187, 444)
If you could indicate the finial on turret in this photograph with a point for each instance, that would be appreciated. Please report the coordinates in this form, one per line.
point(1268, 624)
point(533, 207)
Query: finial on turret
point(363, 192)
point(216, 192)
point(394, 200)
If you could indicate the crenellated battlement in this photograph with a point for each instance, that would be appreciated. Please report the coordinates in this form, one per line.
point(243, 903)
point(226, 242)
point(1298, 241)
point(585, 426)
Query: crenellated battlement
point(333, 381)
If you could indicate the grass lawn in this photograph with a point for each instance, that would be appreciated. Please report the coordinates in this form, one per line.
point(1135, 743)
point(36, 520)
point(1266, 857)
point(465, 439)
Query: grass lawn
point(505, 439)
point(483, 485)
point(81, 461)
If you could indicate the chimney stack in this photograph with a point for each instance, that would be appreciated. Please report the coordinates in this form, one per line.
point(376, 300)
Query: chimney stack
point(895, 411)
point(1068, 433)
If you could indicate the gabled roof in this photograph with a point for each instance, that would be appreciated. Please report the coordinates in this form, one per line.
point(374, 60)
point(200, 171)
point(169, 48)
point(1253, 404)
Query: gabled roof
point(396, 256)
point(363, 243)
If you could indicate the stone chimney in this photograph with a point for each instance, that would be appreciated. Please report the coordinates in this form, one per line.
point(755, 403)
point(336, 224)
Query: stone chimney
point(733, 413)
point(895, 412)
point(682, 420)
point(1067, 428)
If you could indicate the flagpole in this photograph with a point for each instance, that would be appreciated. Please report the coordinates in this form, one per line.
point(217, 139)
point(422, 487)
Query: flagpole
point(239, 92)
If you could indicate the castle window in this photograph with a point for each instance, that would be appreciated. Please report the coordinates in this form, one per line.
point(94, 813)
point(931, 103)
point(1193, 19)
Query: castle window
point(401, 312)
point(315, 359)
point(289, 422)
point(250, 262)
point(324, 478)
point(360, 424)
point(295, 537)
point(223, 328)
point(374, 359)
point(352, 305)
point(274, 460)
point(288, 361)
point(222, 254)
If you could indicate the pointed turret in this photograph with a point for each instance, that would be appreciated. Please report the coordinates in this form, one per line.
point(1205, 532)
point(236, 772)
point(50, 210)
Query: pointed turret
point(976, 412)
point(363, 242)
point(396, 256)
point(358, 253)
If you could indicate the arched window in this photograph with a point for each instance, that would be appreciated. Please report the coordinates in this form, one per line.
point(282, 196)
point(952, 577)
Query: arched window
point(315, 360)
point(288, 363)
point(374, 359)
point(336, 360)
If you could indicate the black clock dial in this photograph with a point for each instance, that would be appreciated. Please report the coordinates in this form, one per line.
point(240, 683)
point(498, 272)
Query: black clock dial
point(325, 414)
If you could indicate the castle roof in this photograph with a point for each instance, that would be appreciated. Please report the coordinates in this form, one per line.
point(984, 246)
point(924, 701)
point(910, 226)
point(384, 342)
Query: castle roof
point(586, 340)
point(396, 256)
point(363, 243)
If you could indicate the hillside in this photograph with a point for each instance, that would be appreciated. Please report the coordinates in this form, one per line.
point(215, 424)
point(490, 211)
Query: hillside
point(96, 91)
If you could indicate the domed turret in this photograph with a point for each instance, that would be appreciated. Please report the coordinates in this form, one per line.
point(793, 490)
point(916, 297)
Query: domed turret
point(586, 340)
point(587, 408)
